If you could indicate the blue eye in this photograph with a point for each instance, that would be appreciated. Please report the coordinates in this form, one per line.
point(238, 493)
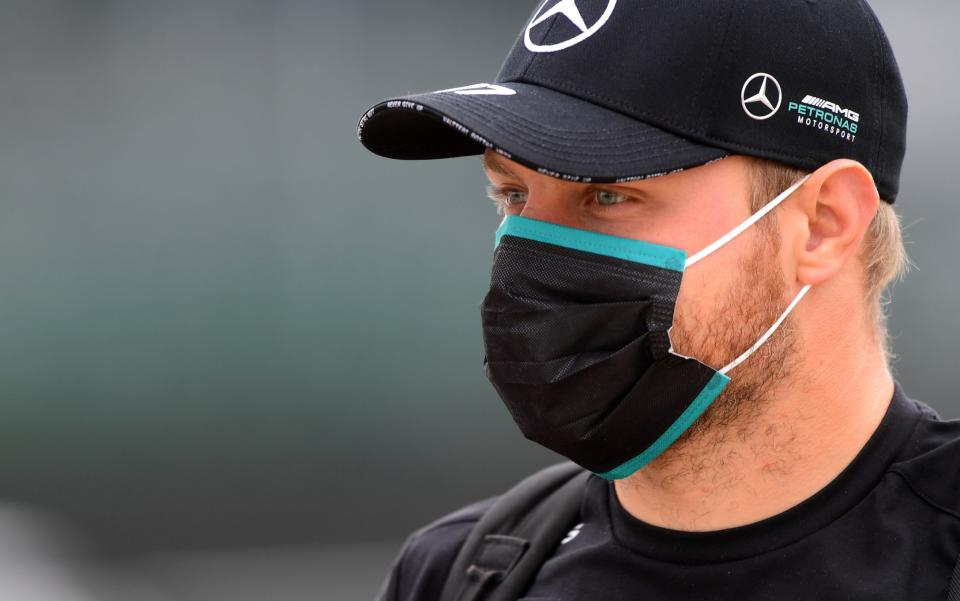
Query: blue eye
point(505, 197)
point(607, 198)
point(514, 197)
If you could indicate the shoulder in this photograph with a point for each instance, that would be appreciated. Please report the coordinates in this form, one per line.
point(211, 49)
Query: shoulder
point(420, 569)
point(930, 463)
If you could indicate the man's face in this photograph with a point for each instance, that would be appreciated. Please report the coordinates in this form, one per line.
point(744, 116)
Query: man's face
point(726, 302)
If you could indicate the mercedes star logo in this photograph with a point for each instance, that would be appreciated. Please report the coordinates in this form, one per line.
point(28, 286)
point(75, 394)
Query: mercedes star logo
point(765, 102)
point(569, 10)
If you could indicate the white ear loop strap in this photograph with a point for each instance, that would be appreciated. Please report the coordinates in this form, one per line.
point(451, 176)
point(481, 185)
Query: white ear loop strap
point(768, 333)
point(733, 234)
point(743, 226)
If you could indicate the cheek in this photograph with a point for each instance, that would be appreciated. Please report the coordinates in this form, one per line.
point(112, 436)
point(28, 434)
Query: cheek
point(706, 287)
point(695, 291)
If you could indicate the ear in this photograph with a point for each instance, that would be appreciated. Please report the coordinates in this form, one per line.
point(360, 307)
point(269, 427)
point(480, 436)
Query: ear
point(838, 203)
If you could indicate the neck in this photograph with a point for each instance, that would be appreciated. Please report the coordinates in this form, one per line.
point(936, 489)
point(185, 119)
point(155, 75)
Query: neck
point(811, 428)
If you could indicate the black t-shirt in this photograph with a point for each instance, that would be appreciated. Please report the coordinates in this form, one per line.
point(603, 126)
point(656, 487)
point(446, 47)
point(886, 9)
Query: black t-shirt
point(888, 527)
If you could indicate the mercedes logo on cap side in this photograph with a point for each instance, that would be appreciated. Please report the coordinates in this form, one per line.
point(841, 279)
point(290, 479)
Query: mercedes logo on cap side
point(565, 9)
point(761, 96)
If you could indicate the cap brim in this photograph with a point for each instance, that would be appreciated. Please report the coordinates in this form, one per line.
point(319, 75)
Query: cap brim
point(540, 128)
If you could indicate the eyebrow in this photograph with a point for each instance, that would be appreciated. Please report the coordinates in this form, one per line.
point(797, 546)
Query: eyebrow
point(492, 164)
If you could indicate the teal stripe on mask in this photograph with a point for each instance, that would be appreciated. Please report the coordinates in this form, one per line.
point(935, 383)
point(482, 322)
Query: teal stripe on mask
point(637, 251)
point(709, 393)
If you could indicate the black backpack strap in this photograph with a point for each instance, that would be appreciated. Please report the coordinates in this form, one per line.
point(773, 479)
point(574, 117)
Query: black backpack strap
point(953, 593)
point(506, 548)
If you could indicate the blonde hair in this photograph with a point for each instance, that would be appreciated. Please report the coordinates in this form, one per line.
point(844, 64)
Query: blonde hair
point(882, 252)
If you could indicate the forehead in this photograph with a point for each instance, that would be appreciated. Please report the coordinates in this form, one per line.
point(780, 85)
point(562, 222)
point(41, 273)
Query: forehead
point(494, 163)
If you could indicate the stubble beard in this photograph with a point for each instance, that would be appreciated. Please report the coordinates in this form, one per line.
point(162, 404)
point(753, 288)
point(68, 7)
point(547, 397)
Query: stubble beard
point(755, 299)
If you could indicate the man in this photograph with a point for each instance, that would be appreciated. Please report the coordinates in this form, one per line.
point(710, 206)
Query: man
point(687, 301)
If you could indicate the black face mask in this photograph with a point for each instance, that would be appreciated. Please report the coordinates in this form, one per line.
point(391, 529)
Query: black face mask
point(576, 333)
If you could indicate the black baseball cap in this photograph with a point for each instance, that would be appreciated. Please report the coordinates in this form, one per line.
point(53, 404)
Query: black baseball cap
point(620, 90)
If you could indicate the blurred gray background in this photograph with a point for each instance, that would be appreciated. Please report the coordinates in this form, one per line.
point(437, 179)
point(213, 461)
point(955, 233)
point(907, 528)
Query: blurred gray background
point(240, 355)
